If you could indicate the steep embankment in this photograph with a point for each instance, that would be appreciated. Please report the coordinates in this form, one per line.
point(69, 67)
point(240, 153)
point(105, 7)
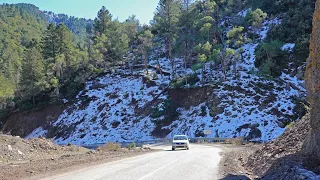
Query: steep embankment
point(24, 123)
point(282, 154)
point(278, 159)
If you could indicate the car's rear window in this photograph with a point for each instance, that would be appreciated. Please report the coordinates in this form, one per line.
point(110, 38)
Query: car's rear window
point(180, 138)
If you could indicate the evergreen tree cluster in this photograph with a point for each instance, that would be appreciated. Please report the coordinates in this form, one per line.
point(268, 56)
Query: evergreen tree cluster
point(42, 62)
point(199, 31)
point(17, 28)
point(295, 27)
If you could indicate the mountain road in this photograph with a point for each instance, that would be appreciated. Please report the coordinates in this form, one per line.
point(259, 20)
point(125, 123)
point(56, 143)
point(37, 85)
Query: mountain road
point(200, 162)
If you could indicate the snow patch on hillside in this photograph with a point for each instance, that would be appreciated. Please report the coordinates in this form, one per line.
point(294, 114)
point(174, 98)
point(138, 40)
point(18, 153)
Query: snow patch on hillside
point(244, 13)
point(109, 114)
point(267, 25)
point(288, 47)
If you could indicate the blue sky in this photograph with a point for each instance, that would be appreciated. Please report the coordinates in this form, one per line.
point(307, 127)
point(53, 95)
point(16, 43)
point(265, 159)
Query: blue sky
point(122, 9)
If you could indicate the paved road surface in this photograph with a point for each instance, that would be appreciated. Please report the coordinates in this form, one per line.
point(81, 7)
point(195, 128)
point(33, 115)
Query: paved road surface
point(200, 162)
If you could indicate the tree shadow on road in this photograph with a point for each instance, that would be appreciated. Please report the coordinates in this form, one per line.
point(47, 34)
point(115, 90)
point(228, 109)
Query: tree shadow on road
point(177, 150)
point(235, 177)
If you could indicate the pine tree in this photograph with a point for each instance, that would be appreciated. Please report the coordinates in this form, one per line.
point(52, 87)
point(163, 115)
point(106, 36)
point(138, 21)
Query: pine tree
point(50, 47)
point(102, 21)
point(186, 34)
point(6, 89)
point(256, 19)
point(235, 37)
point(32, 79)
point(144, 46)
point(165, 22)
point(204, 56)
point(66, 48)
point(236, 40)
point(131, 27)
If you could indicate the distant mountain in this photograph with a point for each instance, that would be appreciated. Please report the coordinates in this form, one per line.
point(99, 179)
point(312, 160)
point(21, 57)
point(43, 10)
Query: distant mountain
point(76, 25)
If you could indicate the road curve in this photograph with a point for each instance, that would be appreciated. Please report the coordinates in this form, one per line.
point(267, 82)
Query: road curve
point(200, 162)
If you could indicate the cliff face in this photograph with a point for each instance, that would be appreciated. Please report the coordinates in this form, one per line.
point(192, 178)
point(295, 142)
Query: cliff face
point(312, 143)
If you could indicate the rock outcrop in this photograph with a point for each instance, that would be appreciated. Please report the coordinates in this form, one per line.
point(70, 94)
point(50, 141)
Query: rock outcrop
point(281, 154)
point(312, 144)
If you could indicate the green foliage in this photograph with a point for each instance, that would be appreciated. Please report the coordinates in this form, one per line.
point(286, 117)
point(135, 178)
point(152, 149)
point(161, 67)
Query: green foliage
point(235, 32)
point(166, 19)
point(290, 125)
point(215, 56)
point(144, 44)
point(110, 39)
point(295, 26)
point(33, 75)
point(18, 26)
point(74, 49)
point(300, 108)
point(6, 88)
point(256, 17)
point(191, 80)
point(206, 48)
point(203, 111)
point(230, 52)
point(131, 146)
point(169, 110)
point(270, 58)
point(235, 37)
point(196, 67)
point(265, 68)
point(156, 113)
point(198, 48)
point(50, 43)
point(202, 58)
point(102, 21)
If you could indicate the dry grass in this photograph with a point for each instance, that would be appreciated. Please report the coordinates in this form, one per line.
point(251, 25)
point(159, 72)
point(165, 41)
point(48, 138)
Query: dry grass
point(110, 147)
point(236, 141)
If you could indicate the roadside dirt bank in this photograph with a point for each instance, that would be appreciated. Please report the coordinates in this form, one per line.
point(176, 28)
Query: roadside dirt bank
point(38, 158)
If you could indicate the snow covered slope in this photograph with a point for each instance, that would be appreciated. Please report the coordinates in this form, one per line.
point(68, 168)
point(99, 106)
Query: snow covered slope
point(124, 107)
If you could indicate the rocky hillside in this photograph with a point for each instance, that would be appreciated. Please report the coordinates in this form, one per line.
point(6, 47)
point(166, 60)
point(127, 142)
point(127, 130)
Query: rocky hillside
point(143, 106)
point(311, 148)
point(281, 155)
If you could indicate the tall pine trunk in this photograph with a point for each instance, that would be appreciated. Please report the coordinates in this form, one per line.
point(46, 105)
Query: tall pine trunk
point(171, 60)
point(186, 59)
point(146, 62)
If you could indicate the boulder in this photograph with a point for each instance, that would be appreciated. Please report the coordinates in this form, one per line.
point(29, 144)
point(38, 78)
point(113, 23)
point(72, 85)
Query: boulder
point(311, 146)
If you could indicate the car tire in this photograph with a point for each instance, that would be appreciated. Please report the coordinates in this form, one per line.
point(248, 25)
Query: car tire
point(187, 148)
point(173, 149)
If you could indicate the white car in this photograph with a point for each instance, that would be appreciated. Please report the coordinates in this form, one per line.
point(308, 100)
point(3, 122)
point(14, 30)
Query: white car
point(180, 141)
